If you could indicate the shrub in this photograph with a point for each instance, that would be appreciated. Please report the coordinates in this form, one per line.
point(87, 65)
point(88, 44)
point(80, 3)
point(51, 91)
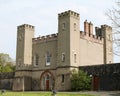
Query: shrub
point(80, 81)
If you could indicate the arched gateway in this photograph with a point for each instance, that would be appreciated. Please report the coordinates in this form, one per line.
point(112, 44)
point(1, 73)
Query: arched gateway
point(47, 81)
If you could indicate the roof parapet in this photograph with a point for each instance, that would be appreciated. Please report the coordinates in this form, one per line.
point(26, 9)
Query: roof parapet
point(25, 26)
point(45, 38)
point(68, 13)
point(92, 38)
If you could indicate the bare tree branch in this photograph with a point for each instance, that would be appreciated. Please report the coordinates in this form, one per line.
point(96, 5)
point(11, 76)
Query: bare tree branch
point(114, 15)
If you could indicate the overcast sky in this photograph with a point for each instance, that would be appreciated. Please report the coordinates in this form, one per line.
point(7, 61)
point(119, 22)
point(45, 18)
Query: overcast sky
point(43, 15)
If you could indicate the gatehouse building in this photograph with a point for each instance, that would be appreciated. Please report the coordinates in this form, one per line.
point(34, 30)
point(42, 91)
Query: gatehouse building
point(46, 62)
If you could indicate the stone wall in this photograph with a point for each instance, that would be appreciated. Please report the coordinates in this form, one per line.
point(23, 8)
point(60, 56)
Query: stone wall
point(22, 84)
point(6, 80)
point(108, 76)
point(35, 84)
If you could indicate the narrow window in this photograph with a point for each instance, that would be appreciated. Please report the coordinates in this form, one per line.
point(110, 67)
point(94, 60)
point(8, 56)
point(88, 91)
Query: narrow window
point(110, 62)
point(63, 26)
point(63, 57)
point(48, 57)
point(47, 77)
point(35, 60)
point(74, 26)
point(109, 37)
point(63, 78)
point(75, 58)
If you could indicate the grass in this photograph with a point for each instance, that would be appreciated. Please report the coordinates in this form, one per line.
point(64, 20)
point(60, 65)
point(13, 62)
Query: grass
point(40, 94)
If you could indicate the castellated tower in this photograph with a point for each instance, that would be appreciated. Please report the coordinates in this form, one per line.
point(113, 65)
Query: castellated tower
point(108, 44)
point(25, 33)
point(68, 38)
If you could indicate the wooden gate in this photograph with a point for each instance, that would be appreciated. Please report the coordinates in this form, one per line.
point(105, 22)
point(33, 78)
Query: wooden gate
point(47, 85)
point(95, 83)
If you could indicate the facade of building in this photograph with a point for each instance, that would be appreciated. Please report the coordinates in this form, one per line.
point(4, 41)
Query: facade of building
point(44, 63)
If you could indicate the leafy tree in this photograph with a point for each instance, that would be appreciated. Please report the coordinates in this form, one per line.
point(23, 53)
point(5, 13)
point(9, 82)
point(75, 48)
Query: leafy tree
point(80, 81)
point(6, 63)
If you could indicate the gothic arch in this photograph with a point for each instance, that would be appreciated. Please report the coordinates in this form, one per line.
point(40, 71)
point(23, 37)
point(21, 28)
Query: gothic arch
point(45, 82)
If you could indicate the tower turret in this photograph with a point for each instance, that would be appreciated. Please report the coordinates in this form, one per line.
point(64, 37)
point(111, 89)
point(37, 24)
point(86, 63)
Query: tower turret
point(68, 38)
point(25, 33)
point(108, 47)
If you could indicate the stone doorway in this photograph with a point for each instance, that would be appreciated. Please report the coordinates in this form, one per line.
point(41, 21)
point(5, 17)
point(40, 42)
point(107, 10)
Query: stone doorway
point(47, 81)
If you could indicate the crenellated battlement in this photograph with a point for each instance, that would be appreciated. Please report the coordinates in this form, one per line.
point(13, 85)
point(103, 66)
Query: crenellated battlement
point(68, 13)
point(106, 26)
point(45, 38)
point(90, 37)
point(25, 26)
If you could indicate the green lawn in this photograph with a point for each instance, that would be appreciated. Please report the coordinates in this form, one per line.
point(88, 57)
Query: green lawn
point(39, 94)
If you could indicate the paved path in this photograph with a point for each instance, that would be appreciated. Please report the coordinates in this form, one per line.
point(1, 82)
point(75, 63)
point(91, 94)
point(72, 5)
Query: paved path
point(104, 93)
point(99, 93)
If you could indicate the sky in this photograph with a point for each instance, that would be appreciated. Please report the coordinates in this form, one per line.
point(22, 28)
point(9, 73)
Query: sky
point(43, 14)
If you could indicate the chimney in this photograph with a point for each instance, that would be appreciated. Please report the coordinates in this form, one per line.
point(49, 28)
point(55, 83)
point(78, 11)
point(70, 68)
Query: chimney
point(90, 28)
point(86, 27)
point(97, 31)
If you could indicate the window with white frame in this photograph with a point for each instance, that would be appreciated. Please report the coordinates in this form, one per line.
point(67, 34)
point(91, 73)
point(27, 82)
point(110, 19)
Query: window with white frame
point(35, 60)
point(63, 57)
point(48, 57)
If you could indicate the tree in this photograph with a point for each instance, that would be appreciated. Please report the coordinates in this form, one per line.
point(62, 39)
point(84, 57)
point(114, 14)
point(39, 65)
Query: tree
point(114, 15)
point(80, 81)
point(6, 63)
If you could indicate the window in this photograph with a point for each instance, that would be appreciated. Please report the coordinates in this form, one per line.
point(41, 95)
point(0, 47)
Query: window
point(20, 36)
point(48, 57)
point(35, 60)
point(110, 62)
point(75, 58)
point(47, 77)
point(63, 26)
point(63, 78)
point(109, 37)
point(63, 57)
point(74, 26)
